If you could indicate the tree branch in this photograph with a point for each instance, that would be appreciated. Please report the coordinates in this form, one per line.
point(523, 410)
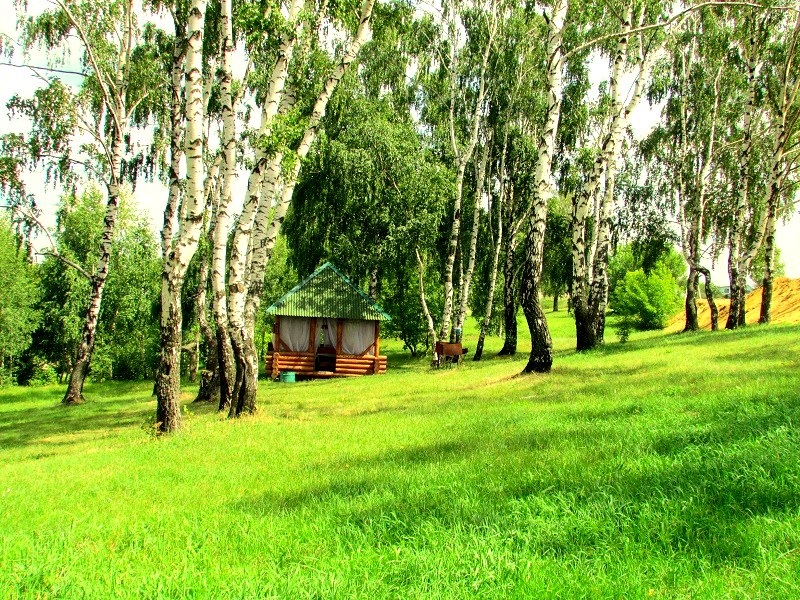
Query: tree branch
point(666, 22)
point(46, 69)
point(67, 262)
point(53, 251)
point(104, 85)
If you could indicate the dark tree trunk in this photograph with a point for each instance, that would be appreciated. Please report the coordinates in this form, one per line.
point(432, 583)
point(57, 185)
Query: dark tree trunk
point(509, 304)
point(555, 302)
point(599, 326)
point(80, 370)
point(736, 315)
point(193, 362)
point(541, 357)
point(83, 357)
point(691, 300)
point(710, 298)
point(766, 289)
point(243, 398)
point(226, 367)
point(766, 301)
point(585, 332)
point(209, 379)
point(373, 284)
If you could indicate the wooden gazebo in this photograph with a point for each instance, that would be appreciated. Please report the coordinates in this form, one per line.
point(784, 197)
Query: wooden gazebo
point(326, 327)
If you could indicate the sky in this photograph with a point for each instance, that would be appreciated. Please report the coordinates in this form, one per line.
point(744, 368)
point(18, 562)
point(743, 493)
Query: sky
point(151, 196)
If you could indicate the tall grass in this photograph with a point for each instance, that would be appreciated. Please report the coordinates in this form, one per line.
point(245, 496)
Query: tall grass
point(666, 467)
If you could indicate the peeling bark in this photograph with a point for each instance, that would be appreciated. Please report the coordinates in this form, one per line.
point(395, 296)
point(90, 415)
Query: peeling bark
point(462, 159)
point(176, 262)
point(466, 280)
point(541, 356)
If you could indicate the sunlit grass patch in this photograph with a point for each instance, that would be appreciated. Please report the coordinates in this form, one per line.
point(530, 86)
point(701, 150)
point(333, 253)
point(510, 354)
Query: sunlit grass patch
point(664, 467)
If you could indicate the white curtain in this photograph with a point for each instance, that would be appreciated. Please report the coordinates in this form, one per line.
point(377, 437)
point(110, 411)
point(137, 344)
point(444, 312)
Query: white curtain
point(326, 332)
point(295, 332)
point(358, 337)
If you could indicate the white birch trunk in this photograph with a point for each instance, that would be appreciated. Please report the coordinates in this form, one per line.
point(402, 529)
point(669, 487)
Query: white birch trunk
point(237, 286)
point(176, 138)
point(424, 302)
point(83, 355)
point(583, 267)
point(737, 267)
point(222, 222)
point(779, 166)
point(498, 244)
point(115, 100)
point(541, 356)
point(598, 293)
point(176, 262)
point(466, 282)
point(242, 333)
point(462, 159)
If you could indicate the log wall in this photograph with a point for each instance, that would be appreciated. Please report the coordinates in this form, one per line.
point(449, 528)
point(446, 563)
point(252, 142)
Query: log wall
point(302, 363)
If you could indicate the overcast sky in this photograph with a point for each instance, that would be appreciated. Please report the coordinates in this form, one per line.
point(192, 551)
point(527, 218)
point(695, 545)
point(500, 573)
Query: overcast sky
point(151, 197)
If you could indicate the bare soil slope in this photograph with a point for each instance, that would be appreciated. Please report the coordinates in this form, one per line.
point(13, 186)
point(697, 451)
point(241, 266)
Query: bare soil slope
point(785, 307)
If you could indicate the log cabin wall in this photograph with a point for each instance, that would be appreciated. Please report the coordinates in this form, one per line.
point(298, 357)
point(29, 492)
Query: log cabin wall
point(302, 363)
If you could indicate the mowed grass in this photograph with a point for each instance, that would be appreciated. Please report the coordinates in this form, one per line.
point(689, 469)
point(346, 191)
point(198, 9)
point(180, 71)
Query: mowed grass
point(667, 467)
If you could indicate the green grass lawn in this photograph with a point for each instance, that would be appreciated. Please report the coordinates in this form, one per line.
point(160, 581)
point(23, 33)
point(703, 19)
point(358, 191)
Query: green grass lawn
point(667, 467)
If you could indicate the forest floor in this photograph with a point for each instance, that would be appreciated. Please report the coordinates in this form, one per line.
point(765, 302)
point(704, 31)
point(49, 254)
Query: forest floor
point(785, 307)
point(665, 467)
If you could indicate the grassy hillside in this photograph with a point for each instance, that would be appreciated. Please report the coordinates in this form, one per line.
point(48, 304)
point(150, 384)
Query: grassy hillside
point(666, 467)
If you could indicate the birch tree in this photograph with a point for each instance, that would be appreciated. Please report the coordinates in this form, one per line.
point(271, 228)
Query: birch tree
point(462, 150)
point(590, 263)
point(541, 356)
point(183, 246)
point(273, 181)
point(783, 87)
point(683, 152)
point(117, 76)
point(760, 191)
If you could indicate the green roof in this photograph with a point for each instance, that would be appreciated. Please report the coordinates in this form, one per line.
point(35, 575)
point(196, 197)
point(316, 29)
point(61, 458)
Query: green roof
point(327, 293)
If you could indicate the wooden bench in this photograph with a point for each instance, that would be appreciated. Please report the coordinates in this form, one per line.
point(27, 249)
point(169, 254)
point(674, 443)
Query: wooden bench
point(447, 352)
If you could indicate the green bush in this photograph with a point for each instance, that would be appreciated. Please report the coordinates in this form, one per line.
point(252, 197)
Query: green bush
point(43, 373)
point(648, 300)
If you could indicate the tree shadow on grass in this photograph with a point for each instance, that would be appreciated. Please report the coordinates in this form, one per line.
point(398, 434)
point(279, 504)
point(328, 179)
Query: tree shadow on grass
point(670, 493)
point(111, 407)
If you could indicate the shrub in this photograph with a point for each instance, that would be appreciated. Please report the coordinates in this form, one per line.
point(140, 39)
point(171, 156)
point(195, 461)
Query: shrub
point(43, 373)
point(648, 300)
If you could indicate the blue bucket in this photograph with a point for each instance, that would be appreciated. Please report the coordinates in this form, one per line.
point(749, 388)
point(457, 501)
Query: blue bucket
point(287, 376)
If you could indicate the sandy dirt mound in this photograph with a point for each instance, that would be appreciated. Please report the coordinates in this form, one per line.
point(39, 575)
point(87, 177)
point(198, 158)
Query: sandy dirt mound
point(785, 307)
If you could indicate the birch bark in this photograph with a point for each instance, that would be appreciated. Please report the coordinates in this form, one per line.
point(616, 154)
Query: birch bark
point(541, 356)
point(243, 335)
point(176, 262)
point(222, 220)
point(239, 258)
point(786, 120)
point(466, 281)
point(498, 244)
point(737, 263)
point(115, 98)
point(583, 263)
point(462, 156)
